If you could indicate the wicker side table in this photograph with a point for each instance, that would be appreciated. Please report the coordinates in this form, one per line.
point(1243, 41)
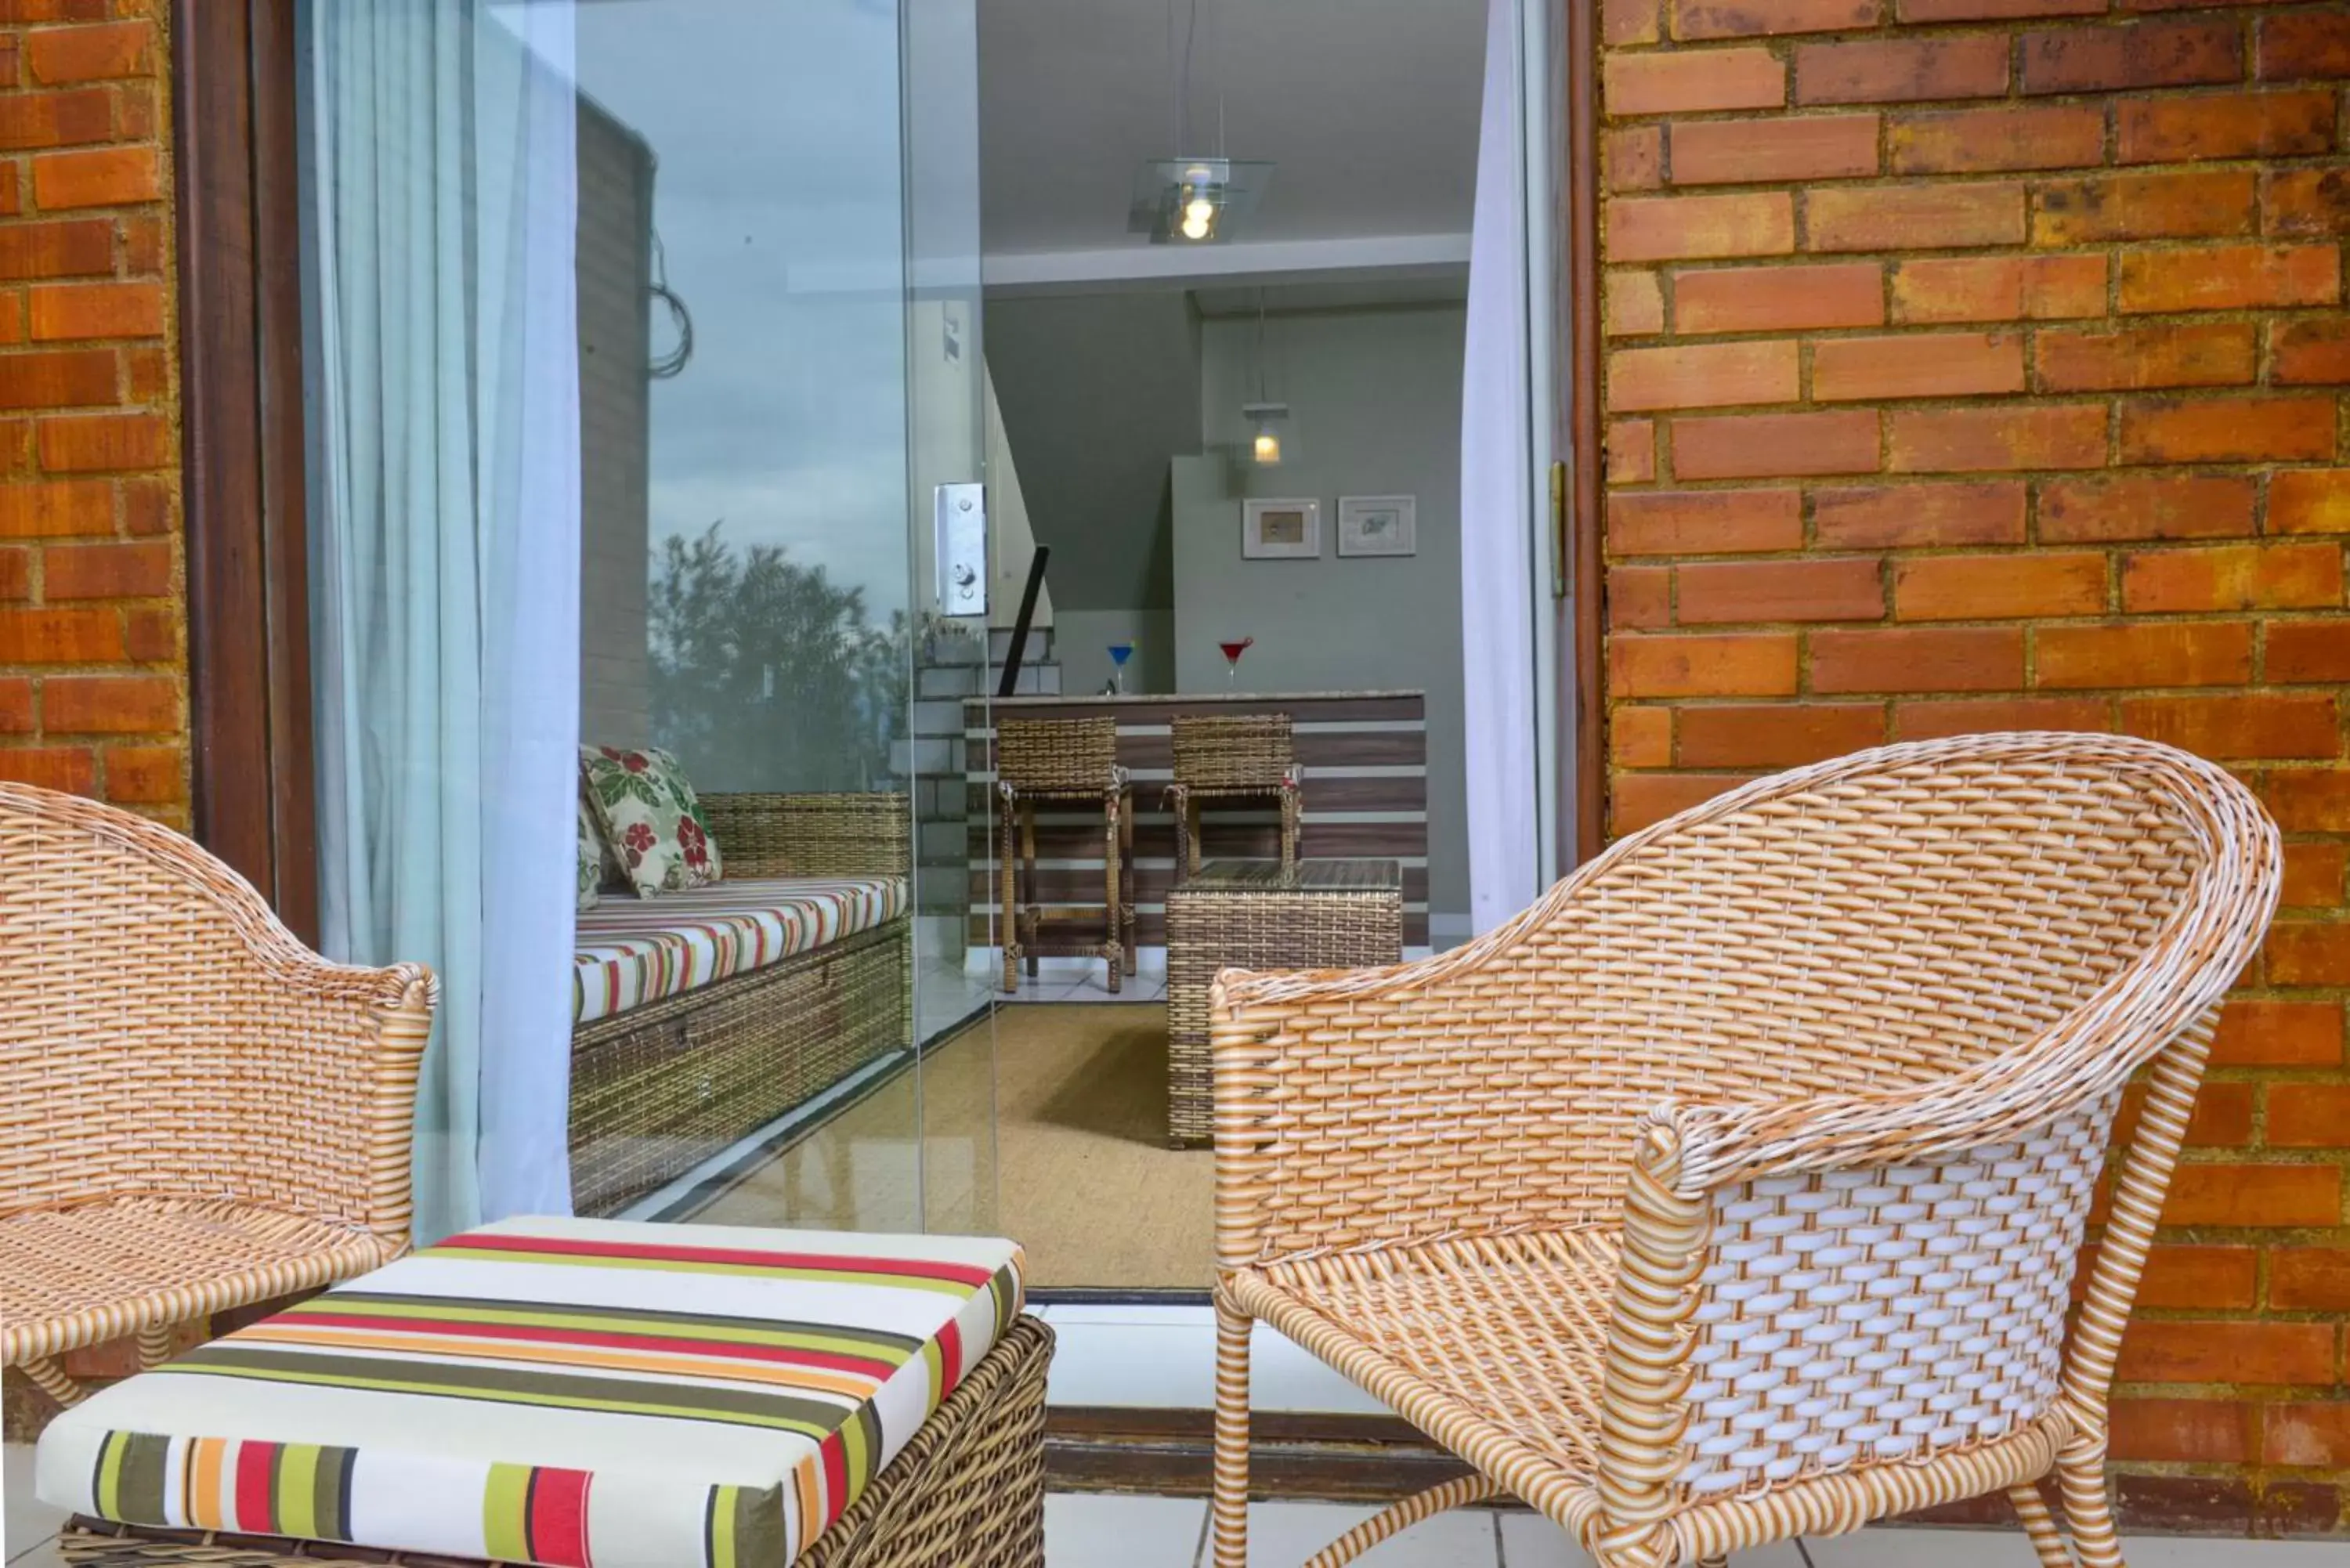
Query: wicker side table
point(1253, 914)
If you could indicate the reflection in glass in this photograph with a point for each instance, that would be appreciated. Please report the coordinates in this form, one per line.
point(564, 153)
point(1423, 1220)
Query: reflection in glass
point(625, 400)
point(746, 571)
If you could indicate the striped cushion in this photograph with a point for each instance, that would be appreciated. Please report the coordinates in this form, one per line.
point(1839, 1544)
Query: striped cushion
point(634, 950)
point(558, 1391)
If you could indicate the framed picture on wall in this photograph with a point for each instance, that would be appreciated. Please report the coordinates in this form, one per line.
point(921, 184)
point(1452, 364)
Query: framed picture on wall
point(1378, 525)
point(1280, 530)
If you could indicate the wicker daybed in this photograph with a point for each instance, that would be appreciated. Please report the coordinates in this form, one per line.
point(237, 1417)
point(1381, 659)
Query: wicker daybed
point(703, 1017)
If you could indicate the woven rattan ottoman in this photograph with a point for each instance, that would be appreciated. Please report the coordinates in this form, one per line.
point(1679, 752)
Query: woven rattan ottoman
point(572, 1392)
point(1252, 914)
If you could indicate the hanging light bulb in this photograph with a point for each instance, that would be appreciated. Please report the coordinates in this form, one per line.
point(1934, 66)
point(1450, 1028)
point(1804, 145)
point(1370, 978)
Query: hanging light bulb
point(1265, 422)
point(1200, 197)
point(1267, 419)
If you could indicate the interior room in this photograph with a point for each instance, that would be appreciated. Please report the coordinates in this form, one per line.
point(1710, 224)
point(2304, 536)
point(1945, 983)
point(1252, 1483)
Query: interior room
point(1234, 466)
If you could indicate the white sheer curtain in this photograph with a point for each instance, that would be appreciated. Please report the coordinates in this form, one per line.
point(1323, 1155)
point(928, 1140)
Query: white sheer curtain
point(1496, 502)
point(439, 195)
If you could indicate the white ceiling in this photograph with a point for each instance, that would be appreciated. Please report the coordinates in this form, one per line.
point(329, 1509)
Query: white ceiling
point(1369, 109)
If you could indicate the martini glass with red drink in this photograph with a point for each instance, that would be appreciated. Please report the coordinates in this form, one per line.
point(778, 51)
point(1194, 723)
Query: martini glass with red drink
point(1232, 651)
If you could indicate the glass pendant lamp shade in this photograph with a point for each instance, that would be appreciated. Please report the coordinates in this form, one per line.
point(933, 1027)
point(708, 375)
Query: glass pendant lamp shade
point(1195, 201)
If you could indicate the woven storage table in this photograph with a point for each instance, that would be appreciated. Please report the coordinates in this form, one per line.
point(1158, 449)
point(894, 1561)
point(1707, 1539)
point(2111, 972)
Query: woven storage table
point(1253, 915)
point(567, 1392)
point(1220, 760)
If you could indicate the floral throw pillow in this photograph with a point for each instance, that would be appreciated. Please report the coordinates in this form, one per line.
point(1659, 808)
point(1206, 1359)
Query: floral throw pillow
point(650, 818)
point(590, 857)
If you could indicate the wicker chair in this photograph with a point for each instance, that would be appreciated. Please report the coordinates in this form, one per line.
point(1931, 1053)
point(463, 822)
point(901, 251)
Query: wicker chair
point(196, 1112)
point(1733, 1191)
point(1220, 758)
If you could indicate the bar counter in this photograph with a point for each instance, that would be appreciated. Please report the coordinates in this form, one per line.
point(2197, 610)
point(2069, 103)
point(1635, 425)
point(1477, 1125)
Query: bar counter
point(1365, 756)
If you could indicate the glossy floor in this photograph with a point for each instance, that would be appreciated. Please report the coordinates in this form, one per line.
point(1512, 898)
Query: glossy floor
point(1107, 1532)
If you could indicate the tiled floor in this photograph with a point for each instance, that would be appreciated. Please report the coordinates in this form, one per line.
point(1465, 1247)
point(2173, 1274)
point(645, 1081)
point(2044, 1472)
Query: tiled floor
point(1104, 1532)
point(1087, 979)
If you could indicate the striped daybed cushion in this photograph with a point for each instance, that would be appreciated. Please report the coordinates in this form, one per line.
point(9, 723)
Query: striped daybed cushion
point(568, 1392)
point(635, 950)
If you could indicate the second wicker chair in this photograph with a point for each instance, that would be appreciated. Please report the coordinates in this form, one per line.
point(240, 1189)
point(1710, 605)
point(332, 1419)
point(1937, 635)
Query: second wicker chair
point(1735, 1190)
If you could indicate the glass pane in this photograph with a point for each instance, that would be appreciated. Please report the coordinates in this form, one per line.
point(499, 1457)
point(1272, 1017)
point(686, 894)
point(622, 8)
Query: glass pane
point(743, 359)
point(947, 397)
point(621, 456)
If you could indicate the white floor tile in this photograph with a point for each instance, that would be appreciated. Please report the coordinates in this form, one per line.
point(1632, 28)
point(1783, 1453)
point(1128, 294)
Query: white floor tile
point(2189, 1552)
point(2009, 1549)
point(1165, 1358)
point(1084, 1530)
point(1284, 1534)
point(1530, 1541)
point(1095, 987)
point(29, 1525)
point(1923, 1549)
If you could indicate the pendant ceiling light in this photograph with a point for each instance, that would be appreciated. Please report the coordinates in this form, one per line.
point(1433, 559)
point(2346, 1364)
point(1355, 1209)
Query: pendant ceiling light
point(1193, 199)
point(1268, 422)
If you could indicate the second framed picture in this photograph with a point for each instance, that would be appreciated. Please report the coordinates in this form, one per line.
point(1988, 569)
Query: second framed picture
point(1280, 530)
point(1378, 525)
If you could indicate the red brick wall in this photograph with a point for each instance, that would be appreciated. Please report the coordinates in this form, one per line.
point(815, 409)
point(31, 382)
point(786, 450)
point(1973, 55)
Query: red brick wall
point(1979, 364)
point(92, 667)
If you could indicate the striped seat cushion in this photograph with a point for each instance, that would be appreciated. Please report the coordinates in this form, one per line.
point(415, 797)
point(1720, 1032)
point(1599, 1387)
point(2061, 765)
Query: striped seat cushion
point(635, 950)
point(565, 1392)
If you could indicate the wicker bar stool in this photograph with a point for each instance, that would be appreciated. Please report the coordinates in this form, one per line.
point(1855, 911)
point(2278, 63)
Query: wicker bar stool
point(1736, 1191)
point(1070, 762)
point(1253, 757)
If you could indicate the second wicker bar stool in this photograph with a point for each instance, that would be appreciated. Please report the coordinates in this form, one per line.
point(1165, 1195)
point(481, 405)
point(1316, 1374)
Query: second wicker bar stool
point(1251, 757)
point(1071, 762)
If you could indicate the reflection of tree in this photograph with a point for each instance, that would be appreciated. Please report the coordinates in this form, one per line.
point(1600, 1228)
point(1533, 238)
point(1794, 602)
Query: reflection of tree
point(765, 675)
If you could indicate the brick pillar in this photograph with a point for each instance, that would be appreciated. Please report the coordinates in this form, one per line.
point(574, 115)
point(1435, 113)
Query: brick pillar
point(1979, 364)
point(92, 664)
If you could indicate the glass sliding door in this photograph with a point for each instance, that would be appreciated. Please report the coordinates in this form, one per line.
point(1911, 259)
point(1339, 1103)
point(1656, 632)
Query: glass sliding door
point(700, 357)
point(947, 473)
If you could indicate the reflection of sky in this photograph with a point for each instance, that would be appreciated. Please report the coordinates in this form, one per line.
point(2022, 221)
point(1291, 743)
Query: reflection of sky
point(778, 203)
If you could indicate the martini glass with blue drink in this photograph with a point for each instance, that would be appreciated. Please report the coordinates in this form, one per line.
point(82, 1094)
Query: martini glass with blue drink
point(1119, 652)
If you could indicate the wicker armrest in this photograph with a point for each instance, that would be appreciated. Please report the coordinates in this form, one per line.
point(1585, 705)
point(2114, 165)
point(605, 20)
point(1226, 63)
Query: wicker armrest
point(329, 1125)
point(188, 1046)
point(1925, 1270)
point(761, 834)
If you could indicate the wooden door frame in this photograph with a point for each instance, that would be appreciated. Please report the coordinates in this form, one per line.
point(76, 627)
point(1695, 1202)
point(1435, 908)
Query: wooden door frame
point(236, 188)
point(1575, 115)
point(237, 168)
